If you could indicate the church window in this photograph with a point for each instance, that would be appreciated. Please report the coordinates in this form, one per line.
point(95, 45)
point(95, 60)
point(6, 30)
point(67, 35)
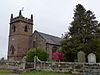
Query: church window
point(13, 28)
point(34, 44)
point(54, 49)
point(26, 28)
point(12, 49)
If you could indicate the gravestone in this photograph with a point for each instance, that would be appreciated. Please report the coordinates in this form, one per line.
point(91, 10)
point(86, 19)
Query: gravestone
point(91, 58)
point(81, 56)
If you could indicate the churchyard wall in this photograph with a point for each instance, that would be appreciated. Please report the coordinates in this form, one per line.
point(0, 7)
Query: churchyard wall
point(74, 67)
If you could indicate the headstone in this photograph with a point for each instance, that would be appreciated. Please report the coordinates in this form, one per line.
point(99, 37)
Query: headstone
point(91, 58)
point(81, 56)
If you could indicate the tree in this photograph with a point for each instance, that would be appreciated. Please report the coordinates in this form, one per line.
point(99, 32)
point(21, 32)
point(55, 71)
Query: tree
point(81, 35)
point(40, 52)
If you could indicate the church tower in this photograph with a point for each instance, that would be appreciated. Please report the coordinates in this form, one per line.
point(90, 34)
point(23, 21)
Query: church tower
point(19, 36)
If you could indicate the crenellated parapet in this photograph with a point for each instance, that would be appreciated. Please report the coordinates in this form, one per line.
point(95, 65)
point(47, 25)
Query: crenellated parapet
point(21, 18)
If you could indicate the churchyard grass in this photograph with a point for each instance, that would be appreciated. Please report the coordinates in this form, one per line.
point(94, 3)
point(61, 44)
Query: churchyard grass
point(44, 73)
point(4, 71)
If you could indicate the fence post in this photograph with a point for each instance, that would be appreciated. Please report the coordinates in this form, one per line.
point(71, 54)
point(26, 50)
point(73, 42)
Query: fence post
point(35, 60)
point(24, 65)
point(24, 62)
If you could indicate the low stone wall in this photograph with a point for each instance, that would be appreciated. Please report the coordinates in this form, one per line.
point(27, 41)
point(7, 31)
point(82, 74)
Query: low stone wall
point(74, 67)
point(91, 69)
point(29, 65)
point(12, 65)
point(60, 67)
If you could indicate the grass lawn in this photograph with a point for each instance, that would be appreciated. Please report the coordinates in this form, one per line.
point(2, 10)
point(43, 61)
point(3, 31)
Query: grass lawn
point(43, 73)
point(2, 71)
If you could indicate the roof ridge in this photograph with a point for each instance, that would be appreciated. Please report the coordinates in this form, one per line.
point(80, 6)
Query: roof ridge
point(49, 34)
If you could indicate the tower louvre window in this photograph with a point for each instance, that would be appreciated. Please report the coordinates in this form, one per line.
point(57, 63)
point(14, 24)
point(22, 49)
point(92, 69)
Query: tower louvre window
point(13, 28)
point(26, 28)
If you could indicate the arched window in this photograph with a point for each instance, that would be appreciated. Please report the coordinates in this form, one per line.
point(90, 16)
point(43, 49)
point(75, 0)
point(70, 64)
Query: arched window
point(13, 28)
point(26, 28)
point(54, 49)
point(34, 44)
point(12, 49)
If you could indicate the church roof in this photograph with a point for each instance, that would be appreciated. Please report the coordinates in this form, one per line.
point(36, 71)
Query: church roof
point(50, 38)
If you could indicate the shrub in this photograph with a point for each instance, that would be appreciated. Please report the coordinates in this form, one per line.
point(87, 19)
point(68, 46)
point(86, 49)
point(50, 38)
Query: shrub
point(40, 52)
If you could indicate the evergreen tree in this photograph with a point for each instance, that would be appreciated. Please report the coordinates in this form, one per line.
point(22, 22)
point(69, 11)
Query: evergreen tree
point(81, 35)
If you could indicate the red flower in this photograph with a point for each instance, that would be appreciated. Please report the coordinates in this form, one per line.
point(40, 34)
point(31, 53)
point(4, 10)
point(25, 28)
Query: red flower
point(57, 56)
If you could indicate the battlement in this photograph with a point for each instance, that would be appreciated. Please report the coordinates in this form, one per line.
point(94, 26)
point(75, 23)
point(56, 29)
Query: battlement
point(21, 18)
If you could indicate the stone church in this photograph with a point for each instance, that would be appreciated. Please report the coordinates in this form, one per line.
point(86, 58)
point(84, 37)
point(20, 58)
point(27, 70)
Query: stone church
point(22, 38)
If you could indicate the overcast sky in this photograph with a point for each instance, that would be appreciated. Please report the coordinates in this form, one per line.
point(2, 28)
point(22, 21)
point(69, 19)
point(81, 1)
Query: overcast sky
point(50, 16)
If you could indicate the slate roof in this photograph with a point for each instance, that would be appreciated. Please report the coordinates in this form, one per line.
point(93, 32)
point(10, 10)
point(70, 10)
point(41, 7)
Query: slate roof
point(50, 38)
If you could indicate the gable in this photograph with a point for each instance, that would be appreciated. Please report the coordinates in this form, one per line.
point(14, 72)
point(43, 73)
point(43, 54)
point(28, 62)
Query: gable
point(49, 38)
